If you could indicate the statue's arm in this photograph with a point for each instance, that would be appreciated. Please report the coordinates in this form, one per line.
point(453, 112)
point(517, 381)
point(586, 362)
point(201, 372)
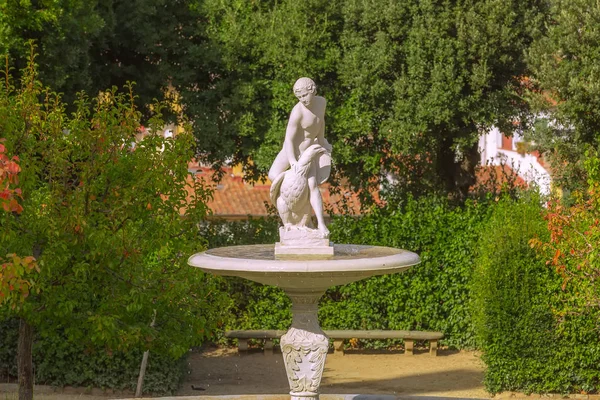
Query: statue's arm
point(291, 136)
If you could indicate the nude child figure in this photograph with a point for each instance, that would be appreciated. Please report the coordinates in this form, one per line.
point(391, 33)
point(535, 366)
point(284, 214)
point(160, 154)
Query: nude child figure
point(306, 127)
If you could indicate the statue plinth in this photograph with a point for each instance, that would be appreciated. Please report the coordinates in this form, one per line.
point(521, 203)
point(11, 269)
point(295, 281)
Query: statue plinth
point(302, 241)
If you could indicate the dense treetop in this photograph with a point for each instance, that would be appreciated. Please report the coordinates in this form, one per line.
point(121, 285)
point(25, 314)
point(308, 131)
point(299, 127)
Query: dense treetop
point(410, 84)
point(565, 64)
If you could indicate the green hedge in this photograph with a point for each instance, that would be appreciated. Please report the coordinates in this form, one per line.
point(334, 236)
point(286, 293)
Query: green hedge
point(60, 362)
point(514, 295)
point(513, 321)
point(431, 296)
point(255, 306)
point(480, 282)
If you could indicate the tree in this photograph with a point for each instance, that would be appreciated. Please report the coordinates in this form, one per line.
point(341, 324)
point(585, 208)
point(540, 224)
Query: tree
point(103, 217)
point(94, 45)
point(16, 272)
point(564, 62)
point(410, 85)
point(435, 75)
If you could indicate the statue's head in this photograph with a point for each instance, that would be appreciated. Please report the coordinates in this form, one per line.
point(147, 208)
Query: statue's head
point(305, 85)
point(305, 90)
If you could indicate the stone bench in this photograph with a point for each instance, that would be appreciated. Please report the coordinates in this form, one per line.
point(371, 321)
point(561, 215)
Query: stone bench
point(339, 336)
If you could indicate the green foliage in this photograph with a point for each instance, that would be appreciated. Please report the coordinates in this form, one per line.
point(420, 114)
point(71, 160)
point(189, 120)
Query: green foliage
point(564, 62)
point(104, 220)
point(512, 297)
point(537, 333)
point(431, 296)
point(402, 79)
point(59, 362)
point(255, 306)
point(63, 31)
point(91, 45)
point(9, 331)
point(427, 76)
point(221, 233)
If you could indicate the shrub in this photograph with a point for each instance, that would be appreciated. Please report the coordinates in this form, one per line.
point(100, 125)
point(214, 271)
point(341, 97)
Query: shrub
point(100, 210)
point(514, 294)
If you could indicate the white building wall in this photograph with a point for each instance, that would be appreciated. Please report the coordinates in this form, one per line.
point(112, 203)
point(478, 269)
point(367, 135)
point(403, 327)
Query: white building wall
point(526, 166)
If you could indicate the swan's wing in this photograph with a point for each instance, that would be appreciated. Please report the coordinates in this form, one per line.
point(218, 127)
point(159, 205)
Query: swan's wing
point(275, 188)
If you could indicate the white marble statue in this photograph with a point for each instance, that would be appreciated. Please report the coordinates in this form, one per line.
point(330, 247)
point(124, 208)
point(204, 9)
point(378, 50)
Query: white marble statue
point(302, 164)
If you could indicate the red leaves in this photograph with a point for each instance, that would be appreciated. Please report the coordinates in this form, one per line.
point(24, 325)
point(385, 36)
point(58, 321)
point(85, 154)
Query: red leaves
point(556, 257)
point(13, 168)
point(573, 249)
point(9, 170)
point(12, 205)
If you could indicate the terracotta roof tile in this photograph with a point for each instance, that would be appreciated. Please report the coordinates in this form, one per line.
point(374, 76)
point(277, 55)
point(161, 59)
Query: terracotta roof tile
point(234, 198)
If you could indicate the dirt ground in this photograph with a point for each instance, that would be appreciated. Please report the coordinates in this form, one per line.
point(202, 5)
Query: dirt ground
point(223, 371)
point(451, 374)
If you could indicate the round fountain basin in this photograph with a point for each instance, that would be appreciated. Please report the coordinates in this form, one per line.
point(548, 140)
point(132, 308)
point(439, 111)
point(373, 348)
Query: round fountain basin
point(306, 272)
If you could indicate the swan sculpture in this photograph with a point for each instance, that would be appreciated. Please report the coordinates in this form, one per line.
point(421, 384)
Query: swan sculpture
point(290, 192)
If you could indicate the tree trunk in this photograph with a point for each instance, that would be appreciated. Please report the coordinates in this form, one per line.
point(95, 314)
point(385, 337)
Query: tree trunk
point(457, 173)
point(140, 383)
point(25, 360)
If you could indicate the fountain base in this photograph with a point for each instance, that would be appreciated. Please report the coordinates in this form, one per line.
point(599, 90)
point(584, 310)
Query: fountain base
point(304, 346)
point(304, 277)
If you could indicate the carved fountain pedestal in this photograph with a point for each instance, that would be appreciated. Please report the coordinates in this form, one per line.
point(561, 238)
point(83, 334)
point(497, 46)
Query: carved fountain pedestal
point(304, 278)
point(304, 346)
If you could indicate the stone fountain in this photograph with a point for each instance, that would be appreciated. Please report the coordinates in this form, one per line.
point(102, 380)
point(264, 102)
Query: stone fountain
point(303, 263)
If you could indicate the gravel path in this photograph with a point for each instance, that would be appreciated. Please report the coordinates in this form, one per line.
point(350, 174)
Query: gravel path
point(223, 371)
point(451, 374)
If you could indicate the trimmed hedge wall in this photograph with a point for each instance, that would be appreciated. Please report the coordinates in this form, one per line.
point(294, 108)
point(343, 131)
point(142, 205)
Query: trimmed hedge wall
point(515, 294)
point(431, 296)
point(513, 320)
